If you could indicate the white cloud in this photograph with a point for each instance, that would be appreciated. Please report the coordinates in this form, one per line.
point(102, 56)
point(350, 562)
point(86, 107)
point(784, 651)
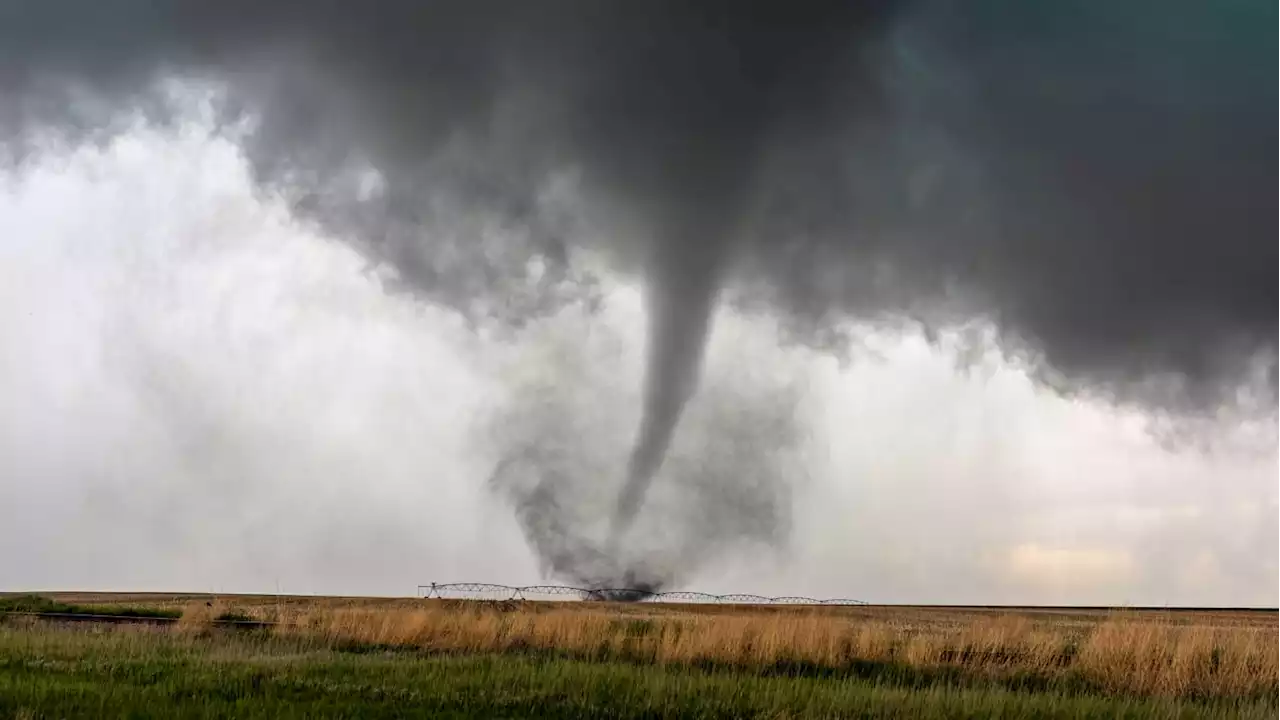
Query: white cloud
point(1070, 574)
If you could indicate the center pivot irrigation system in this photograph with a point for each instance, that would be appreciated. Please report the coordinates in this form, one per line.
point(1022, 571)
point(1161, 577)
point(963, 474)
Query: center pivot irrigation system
point(490, 591)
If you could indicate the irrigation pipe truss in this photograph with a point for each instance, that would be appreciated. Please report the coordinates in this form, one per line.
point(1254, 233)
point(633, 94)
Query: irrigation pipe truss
point(491, 591)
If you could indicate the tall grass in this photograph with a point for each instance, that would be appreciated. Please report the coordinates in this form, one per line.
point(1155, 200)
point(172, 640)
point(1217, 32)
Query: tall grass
point(1202, 654)
point(1124, 654)
point(55, 670)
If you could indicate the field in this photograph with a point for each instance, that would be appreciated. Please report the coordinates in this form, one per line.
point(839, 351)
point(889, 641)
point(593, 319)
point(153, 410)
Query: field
point(259, 656)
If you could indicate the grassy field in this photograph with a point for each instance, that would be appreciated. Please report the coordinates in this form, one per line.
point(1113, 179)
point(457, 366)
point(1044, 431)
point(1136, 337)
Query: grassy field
point(344, 657)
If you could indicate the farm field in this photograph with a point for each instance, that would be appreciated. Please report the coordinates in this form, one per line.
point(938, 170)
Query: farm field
point(365, 657)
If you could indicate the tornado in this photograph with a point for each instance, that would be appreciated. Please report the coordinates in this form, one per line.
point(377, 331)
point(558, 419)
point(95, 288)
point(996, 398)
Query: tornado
point(680, 298)
point(1091, 176)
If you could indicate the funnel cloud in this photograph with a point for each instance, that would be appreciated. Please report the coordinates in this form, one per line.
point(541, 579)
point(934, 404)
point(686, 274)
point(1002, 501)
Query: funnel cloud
point(727, 484)
point(1092, 177)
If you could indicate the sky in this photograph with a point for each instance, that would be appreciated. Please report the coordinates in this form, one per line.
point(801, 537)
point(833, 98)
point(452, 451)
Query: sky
point(205, 392)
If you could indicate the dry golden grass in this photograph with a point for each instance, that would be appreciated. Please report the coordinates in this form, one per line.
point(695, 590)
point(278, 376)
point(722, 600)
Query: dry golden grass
point(198, 615)
point(1123, 654)
point(1162, 653)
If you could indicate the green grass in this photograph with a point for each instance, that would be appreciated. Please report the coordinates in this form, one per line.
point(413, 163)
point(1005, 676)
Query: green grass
point(55, 671)
point(44, 606)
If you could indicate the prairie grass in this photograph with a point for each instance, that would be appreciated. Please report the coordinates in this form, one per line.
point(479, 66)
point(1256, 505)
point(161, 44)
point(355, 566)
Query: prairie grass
point(1119, 654)
point(54, 670)
point(1192, 655)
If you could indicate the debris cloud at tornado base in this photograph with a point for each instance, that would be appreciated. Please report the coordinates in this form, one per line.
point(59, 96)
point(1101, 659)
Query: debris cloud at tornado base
point(727, 484)
point(1094, 177)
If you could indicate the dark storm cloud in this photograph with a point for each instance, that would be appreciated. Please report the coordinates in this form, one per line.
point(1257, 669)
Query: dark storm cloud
point(1095, 176)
